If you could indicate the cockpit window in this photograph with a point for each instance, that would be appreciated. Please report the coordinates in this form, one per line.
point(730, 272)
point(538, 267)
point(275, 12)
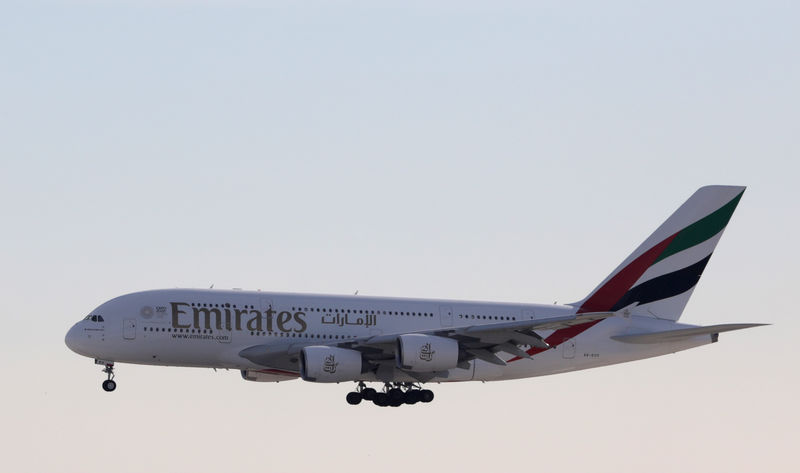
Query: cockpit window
point(94, 318)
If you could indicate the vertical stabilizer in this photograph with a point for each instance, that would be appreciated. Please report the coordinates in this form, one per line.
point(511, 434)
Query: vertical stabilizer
point(658, 278)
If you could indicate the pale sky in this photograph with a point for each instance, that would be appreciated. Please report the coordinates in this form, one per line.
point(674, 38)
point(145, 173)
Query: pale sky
point(503, 151)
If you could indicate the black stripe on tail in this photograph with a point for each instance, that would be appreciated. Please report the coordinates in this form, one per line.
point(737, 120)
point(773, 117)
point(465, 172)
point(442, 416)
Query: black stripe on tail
point(664, 287)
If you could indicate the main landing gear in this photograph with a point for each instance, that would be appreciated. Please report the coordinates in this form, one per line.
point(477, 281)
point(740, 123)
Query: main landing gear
point(109, 384)
point(393, 394)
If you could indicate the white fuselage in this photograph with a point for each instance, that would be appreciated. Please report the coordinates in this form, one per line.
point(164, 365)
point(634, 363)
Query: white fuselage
point(209, 328)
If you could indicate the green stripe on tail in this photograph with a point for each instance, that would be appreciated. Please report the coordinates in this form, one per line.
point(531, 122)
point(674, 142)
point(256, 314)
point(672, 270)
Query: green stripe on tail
point(701, 230)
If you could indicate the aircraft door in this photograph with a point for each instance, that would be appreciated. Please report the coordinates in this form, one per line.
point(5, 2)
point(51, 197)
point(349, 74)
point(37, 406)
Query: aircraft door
point(446, 315)
point(568, 349)
point(129, 329)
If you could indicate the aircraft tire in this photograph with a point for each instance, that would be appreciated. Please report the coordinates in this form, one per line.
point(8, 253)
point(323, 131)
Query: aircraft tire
point(368, 394)
point(381, 399)
point(397, 402)
point(354, 398)
point(413, 397)
point(396, 394)
point(109, 385)
point(426, 395)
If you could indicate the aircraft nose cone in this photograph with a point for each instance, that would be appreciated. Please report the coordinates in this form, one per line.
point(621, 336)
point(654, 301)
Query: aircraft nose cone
point(75, 339)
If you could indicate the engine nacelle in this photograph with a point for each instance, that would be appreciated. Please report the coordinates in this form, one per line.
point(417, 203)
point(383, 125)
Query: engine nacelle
point(322, 364)
point(426, 353)
point(268, 376)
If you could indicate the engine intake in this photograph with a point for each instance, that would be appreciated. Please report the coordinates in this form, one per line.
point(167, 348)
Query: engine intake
point(323, 364)
point(426, 353)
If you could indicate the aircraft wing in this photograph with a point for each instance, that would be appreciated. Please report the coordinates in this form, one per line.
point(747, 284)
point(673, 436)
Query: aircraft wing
point(483, 341)
point(680, 334)
point(476, 341)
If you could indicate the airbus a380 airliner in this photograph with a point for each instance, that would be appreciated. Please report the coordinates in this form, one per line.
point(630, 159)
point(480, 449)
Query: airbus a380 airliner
point(404, 343)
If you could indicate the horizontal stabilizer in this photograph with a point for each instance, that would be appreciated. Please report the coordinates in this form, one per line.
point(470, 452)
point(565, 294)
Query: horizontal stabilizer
point(676, 335)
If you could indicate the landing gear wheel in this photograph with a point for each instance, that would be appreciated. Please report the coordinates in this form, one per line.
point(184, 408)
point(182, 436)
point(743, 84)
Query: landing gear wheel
point(397, 397)
point(109, 384)
point(398, 402)
point(354, 398)
point(392, 394)
point(381, 399)
point(413, 396)
point(426, 395)
point(396, 394)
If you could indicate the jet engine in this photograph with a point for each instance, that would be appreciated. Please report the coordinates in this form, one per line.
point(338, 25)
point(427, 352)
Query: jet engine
point(426, 353)
point(323, 364)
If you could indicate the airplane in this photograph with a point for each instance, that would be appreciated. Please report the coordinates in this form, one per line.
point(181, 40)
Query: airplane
point(404, 344)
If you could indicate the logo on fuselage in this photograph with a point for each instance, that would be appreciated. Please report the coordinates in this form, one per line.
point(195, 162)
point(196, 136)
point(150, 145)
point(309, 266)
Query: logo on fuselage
point(426, 353)
point(185, 315)
point(330, 364)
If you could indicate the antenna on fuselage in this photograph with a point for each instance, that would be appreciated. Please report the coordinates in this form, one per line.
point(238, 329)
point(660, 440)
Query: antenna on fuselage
point(212, 286)
point(355, 293)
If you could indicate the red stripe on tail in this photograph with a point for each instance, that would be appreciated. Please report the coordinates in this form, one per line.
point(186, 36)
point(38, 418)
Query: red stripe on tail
point(606, 297)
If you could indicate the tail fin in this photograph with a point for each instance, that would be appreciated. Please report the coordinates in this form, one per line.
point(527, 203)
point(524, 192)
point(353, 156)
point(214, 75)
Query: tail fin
point(658, 278)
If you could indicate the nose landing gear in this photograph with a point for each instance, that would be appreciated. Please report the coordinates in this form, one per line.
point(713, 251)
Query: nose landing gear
point(109, 384)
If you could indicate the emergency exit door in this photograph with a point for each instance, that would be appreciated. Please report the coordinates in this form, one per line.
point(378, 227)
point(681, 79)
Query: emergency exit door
point(129, 329)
